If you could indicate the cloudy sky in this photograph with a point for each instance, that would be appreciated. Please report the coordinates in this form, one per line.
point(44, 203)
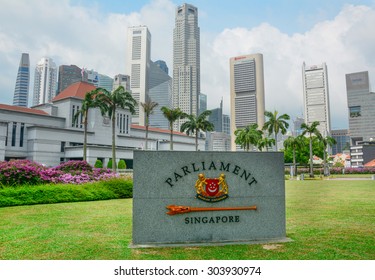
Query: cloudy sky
point(92, 34)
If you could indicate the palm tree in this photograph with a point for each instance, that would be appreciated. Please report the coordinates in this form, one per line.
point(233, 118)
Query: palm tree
point(294, 143)
point(311, 129)
point(196, 124)
point(275, 124)
point(87, 103)
point(148, 108)
point(265, 142)
point(172, 115)
point(326, 142)
point(247, 136)
point(109, 102)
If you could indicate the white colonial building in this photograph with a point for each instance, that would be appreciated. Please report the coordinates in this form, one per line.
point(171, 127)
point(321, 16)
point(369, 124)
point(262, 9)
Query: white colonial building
point(48, 135)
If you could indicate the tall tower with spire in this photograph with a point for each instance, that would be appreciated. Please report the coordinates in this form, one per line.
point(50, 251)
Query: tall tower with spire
point(21, 91)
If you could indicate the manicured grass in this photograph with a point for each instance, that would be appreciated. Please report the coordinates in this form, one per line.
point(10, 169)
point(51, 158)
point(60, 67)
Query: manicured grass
point(327, 219)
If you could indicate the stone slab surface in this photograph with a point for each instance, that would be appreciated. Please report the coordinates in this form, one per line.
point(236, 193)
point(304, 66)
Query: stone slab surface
point(169, 177)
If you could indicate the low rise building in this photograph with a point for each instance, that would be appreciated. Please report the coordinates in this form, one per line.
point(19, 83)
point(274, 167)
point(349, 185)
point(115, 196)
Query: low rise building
point(48, 133)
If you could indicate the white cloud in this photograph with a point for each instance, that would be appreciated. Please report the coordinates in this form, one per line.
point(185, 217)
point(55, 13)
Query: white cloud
point(345, 43)
point(88, 38)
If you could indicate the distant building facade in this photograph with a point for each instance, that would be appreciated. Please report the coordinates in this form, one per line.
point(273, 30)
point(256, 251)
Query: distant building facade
point(186, 61)
point(105, 82)
point(202, 103)
point(121, 80)
point(49, 135)
point(361, 107)
point(45, 81)
point(160, 91)
point(246, 93)
point(361, 153)
point(21, 90)
point(138, 66)
point(342, 138)
point(162, 65)
point(68, 75)
point(316, 97)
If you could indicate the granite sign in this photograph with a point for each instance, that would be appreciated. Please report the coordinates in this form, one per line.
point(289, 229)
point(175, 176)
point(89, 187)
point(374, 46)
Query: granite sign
point(205, 198)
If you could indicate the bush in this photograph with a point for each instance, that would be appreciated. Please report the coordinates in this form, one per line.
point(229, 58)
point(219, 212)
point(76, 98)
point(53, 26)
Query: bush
point(54, 193)
point(21, 172)
point(121, 164)
point(98, 164)
point(17, 172)
point(74, 166)
point(109, 164)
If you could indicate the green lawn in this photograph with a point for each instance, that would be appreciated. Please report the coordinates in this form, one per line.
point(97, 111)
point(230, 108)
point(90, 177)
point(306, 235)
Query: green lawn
point(327, 219)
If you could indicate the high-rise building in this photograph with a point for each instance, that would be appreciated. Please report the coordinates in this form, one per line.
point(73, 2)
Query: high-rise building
point(216, 118)
point(121, 80)
point(202, 103)
point(68, 75)
point(361, 105)
point(45, 81)
point(162, 65)
point(342, 138)
point(246, 93)
point(21, 90)
point(160, 91)
point(297, 122)
point(105, 82)
point(316, 97)
point(138, 65)
point(186, 61)
point(92, 77)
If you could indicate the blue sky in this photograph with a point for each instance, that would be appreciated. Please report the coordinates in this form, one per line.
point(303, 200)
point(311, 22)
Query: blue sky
point(92, 34)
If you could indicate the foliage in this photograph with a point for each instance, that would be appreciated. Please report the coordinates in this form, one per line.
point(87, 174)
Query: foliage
point(275, 124)
point(311, 130)
point(113, 188)
point(148, 108)
point(108, 103)
point(21, 172)
point(266, 143)
point(303, 151)
point(121, 164)
point(248, 136)
point(98, 164)
point(194, 125)
point(109, 164)
point(172, 115)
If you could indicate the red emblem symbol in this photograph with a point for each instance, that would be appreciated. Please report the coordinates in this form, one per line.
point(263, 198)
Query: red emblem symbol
point(211, 189)
point(212, 186)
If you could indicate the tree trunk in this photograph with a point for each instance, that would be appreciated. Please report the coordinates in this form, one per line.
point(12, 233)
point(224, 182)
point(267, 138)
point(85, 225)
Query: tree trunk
point(196, 141)
point(114, 141)
point(171, 144)
point(294, 162)
point(85, 137)
point(276, 141)
point(311, 160)
point(146, 142)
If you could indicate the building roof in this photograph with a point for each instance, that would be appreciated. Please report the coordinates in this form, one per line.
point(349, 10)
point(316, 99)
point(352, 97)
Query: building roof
point(77, 90)
point(370, 163)
point(23, 109)
point(155, 129)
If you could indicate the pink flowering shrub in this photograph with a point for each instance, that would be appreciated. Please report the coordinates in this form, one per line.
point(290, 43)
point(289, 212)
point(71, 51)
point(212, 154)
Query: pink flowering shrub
point(20, 172)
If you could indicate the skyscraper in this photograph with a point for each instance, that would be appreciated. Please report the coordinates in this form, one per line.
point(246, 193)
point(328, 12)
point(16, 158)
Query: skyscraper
point(21, 91)
point(361, 105)
point(138, 66)
point(186, 61)
point(122, 80)
point(68, 75)
point(105, 82)
point(202, 105)
point(246, 93)
point(160, 91)
point(45, 81)
point(316, 97)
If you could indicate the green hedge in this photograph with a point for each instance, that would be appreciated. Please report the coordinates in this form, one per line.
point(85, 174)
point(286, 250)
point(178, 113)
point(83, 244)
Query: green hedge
point(45, 194)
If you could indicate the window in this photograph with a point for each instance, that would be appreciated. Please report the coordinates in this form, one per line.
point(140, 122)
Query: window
point(21, 134)
point(14, 131)
point(355, 111)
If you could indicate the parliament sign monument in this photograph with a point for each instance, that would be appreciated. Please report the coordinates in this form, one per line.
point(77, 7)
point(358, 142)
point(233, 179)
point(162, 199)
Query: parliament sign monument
point(208, 198)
